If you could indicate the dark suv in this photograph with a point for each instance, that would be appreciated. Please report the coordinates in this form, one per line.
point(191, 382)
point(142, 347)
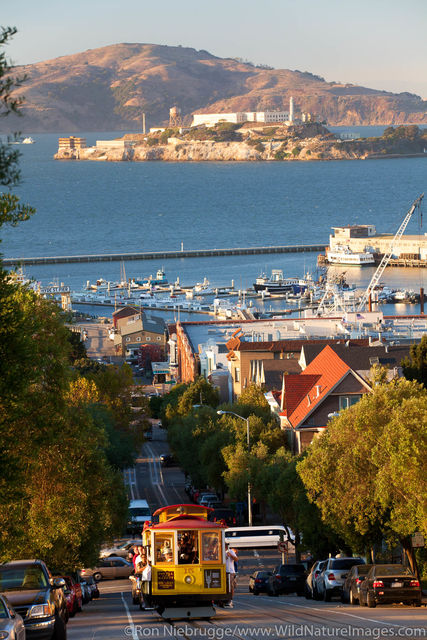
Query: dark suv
point(37, 597)
point(287, 578)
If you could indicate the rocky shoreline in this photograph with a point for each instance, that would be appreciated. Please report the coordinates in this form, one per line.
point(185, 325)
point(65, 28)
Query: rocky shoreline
point(304, 143)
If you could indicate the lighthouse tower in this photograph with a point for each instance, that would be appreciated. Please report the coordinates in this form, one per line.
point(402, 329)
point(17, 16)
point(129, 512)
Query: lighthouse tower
point(291, 109)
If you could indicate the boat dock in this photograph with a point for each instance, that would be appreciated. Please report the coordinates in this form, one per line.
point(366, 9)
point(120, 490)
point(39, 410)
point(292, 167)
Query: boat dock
point(162, 255)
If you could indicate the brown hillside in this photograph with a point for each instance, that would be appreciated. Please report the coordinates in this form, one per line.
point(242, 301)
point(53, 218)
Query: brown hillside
point(109, 88)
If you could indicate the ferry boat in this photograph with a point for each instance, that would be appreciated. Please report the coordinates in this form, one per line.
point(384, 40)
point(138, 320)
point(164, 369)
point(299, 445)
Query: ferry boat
point(342, 254)
point(159, 279)
point(276, 283)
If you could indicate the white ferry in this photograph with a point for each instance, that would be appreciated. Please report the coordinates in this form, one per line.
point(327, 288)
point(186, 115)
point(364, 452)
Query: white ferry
point(342, 254)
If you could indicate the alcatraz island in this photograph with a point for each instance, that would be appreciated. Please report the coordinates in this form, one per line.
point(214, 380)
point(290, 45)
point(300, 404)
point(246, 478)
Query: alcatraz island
point(254, 136)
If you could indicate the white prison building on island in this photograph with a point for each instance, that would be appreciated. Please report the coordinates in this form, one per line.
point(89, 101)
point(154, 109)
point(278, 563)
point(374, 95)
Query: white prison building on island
point(239, 117)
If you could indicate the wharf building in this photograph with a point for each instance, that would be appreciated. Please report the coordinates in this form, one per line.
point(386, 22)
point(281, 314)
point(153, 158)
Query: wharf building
point(359, 238)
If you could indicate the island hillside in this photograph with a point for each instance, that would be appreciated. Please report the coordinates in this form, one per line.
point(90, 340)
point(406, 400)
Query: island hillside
point(109, 88)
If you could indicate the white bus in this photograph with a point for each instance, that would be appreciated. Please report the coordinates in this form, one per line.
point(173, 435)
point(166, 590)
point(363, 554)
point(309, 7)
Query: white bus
point(253, 537)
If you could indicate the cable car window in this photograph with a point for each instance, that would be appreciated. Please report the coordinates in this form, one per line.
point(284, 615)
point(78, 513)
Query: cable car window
point(163, 548)
point(188, 547)
point(210, 546)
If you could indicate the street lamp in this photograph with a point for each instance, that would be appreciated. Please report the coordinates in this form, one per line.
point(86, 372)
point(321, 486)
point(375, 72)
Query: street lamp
point(221, 413)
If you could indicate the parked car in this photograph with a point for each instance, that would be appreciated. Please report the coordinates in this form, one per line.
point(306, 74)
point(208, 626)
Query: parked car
point(123, 550)
point(310, 583)
point(167, 460)
point(331, 580)
point(86, 591)
point(73, 595)
point(92, 584)
point(351, 586)
point(11, 623)
point(258, 582)
point(212, 504)
point(204, 498)
point(109, 568)
point(37, 597)
point(388, 583)
point(221, 513)
point(287, 578)
point(316, 579)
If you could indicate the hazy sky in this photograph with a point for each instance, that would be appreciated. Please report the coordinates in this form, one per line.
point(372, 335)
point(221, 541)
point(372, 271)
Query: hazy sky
point(375, 43)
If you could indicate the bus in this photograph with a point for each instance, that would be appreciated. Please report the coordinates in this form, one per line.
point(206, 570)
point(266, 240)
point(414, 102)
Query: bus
point(266, 536)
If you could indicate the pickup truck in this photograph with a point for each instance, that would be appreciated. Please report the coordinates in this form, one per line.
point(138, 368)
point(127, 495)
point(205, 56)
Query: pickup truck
point(37, 597)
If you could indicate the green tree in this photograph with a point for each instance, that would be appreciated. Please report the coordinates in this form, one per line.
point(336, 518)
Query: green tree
point(366, 474)
point(59, 495)
point(415, 367)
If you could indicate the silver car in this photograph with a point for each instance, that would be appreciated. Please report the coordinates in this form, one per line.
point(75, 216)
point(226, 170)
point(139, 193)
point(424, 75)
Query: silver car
point(112, 567)
point(123, 550)
point(11, 623)
point(334, 573)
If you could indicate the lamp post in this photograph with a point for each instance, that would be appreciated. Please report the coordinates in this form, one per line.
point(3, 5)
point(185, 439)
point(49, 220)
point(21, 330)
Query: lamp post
point(221, 413)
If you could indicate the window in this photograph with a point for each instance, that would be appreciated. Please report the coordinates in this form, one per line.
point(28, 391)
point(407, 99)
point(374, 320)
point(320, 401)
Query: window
point(347, 401)
point(237, 374)
point(127, 339)
point(148, 338)
point(138, 339)
point(210, 547)
point(163, 548)
point(159, 338)
point(188, 547)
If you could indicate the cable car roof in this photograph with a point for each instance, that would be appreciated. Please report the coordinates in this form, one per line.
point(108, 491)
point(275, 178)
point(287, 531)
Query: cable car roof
point(187, 523)
point(174, 511)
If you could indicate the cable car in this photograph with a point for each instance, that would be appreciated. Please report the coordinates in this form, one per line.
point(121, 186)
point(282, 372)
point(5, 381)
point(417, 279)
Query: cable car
point(187, 555)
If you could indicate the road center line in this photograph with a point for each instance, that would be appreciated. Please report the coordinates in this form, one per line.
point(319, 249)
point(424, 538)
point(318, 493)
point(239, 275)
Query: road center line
point(351, 615)
point(132, 626)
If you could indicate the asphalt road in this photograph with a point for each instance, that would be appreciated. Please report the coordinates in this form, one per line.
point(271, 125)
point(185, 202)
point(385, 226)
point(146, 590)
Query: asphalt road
point(114, 617)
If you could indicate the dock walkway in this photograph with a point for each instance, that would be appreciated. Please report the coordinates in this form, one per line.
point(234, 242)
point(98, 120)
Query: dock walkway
point(162, 255)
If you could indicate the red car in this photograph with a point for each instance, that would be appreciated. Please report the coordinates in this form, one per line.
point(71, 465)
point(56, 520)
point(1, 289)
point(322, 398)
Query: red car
point(73, 594)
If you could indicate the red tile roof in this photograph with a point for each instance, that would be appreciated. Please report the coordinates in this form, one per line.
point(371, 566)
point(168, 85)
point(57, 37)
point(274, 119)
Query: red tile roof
point(306, 391)
point(296, 388)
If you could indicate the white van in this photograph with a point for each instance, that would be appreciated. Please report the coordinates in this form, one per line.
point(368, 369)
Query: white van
point(139, 512)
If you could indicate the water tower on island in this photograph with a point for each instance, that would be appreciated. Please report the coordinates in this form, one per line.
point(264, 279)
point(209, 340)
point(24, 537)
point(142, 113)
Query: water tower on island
point(175, 119)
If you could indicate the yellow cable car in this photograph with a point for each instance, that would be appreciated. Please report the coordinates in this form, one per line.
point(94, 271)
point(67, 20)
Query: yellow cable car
point(187, 555)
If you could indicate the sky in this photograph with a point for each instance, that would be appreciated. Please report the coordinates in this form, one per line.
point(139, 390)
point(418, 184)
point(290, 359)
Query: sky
point(373, 43)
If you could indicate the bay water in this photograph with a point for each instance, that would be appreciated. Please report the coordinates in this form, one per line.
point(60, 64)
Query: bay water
point(90, 207)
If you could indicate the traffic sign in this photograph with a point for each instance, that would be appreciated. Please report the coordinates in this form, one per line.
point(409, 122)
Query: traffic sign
point(282, 546)
point(417, 540)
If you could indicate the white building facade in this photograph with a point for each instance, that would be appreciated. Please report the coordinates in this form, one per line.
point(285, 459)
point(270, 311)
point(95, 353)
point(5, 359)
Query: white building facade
point(239, 117)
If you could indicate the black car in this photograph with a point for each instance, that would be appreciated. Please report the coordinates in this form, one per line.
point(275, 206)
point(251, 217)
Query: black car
point(287, 578)
point(227, 515)
point(388, 583)
point(167, 460)
point(353, 581)
point(258, 582)
point(37, 597)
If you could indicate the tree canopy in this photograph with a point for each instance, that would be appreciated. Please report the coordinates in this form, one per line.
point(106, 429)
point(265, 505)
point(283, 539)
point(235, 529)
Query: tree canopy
point(65, 426)
point(366, 473)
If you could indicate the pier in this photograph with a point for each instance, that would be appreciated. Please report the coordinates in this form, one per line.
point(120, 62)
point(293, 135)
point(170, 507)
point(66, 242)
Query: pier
point(162, 255)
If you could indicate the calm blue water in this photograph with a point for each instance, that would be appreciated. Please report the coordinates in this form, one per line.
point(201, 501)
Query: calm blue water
point(100, 207)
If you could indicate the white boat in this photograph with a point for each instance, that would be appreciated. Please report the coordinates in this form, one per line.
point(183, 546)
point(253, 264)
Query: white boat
point(277, 283)
point(28, 140)
point(342, 254)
